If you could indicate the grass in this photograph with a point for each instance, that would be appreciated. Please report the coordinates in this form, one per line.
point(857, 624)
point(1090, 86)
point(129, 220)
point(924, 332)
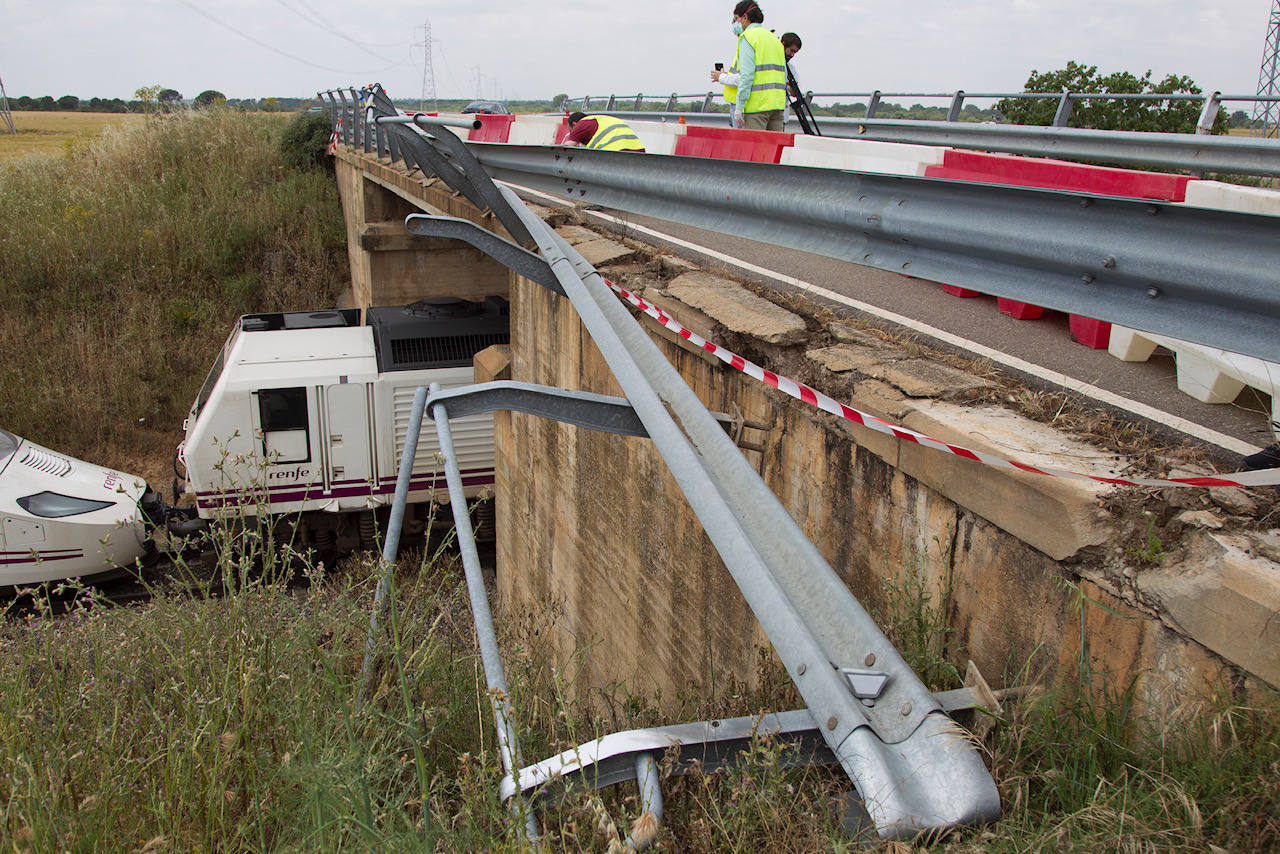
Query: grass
point(55, 132)
point(125, 259)
point(234, 724)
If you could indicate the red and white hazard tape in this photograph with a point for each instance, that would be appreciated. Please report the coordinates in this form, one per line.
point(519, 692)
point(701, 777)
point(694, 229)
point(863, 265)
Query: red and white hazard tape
point(813, 397)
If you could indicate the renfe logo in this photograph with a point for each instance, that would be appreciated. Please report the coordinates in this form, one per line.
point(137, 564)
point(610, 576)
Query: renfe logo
point(295, 473)
point(112, 481)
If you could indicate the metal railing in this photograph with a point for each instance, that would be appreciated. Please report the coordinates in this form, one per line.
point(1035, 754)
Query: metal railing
point(1067, 99)
point(879, 722)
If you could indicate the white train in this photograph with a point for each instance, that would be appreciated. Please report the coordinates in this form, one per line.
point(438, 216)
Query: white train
point(65, 518)
point(303, 416)
point(306, 412)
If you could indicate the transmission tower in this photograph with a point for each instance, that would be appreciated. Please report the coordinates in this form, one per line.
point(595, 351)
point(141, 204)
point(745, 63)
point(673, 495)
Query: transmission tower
point(1268, 112)
point(428, 72)
point(5, 116)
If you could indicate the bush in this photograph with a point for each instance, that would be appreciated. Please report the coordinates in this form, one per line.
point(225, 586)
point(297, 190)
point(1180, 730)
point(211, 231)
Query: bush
point(306, 141)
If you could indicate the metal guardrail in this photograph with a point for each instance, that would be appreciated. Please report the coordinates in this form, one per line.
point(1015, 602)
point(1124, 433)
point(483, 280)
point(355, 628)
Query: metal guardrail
point(1237, 155)
point(1190, 273)
point(888, 732)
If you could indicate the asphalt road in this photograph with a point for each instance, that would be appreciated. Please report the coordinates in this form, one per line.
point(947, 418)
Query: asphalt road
point(1045, 342)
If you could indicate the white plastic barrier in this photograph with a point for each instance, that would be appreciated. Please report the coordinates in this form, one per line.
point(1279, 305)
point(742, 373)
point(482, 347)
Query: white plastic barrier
point(658, 137)
point(860, 155)
point(1205, 373)
point(1208, 374)
point(1232, 197)
point(534, 130)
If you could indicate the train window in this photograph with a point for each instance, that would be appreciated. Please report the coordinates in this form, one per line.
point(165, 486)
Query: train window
point(8, 443)
point(51, 505)
point(283, 413)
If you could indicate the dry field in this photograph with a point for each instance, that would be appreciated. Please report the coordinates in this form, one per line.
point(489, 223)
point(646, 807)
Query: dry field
point(50, 133)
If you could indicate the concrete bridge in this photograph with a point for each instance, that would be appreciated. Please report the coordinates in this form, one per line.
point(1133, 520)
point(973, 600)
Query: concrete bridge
point(1174, 588)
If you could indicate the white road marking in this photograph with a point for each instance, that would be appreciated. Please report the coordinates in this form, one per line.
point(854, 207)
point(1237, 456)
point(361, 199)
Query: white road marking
point(1142, 410)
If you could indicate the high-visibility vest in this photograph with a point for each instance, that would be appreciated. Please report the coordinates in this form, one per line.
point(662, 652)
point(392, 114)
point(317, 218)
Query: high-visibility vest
point(769, 86)
point(613, 135)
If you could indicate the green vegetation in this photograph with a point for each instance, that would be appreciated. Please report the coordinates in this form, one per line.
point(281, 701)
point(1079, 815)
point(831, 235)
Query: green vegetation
point(1159, 116)
point(125, 260)
point(233, 724)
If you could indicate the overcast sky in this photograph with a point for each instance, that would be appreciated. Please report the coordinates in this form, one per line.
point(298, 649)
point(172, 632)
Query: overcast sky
point(497, 48)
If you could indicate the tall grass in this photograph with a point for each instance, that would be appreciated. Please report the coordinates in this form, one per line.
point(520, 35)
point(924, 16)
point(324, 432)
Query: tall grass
point(124, 261)
point(234, 724)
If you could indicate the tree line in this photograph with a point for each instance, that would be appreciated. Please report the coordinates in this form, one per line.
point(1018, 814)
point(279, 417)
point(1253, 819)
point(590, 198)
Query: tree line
point(149, 99)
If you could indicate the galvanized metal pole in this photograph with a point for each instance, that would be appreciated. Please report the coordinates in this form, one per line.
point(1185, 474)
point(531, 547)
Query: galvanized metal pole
point(486, 635)
point(387, 566)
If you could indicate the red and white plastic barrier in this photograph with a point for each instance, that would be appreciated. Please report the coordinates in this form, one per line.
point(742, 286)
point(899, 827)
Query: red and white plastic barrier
point(813, 397)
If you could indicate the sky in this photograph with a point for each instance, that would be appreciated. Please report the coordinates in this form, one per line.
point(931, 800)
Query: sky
point(502, 49)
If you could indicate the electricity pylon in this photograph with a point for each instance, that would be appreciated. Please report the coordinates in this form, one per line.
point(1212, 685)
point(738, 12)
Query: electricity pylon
point(1268, 112)
point(5, 116)
point(428, 72)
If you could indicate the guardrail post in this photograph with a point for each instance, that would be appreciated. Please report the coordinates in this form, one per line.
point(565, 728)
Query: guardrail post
point(953, 115)
point(706, 102)
point(872, 105)
point(348, 132)
point(1209, 114)
point(671, 103)
point(1065, 105)
point(608, 108)
point(639, 98)
point(586, 103)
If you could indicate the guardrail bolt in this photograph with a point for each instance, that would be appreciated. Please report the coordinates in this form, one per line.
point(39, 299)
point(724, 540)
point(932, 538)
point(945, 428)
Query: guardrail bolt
point(870, 659)
point(906, 708)
point(1087, 278)
point(1109, 262)
point(833, 722)
point(1153, 292)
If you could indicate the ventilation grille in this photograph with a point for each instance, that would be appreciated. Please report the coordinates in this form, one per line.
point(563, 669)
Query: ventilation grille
point(43, 461)
point(442, 351)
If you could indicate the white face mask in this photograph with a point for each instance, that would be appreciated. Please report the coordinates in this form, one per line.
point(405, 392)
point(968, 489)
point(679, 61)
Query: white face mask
point(737, 28)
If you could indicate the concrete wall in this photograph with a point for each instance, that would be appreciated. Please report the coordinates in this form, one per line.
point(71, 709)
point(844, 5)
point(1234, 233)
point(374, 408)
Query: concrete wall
point(593, 526)
point(390, 266)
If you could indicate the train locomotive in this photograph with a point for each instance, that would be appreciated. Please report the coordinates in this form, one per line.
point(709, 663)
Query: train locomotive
point(304, 414)
point(302, 420)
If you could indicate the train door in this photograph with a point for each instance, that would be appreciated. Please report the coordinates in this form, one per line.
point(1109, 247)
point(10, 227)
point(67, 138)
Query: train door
point(348, 440)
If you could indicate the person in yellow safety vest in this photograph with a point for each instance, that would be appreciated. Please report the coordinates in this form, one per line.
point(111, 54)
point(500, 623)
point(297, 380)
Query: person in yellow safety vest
point(760, 67)
point(603, 133)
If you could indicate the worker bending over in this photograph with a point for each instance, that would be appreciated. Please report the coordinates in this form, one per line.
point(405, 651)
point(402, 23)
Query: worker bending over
point(603, 133)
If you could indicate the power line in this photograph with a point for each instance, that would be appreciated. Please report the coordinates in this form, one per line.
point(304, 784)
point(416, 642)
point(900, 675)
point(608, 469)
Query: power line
point(267, 46)
point(317, 20)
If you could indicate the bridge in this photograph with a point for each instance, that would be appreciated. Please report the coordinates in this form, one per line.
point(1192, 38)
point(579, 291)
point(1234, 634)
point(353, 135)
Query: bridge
point(673, 551)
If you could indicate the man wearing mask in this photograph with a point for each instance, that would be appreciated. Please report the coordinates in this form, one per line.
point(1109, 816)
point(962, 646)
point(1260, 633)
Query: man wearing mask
point(758, 94)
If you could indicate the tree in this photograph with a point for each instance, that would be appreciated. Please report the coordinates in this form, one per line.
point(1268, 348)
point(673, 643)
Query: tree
point(1131, 115)
point(46, 103)
point(169, 98)
point(209, 98)
point(69, 103)
point(559, 101)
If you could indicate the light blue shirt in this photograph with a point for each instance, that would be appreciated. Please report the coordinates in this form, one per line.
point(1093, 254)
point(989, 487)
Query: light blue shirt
point(746, 70)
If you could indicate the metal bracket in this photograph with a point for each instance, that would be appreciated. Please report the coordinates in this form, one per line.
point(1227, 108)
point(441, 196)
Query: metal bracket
point(599, 412)
point(515, 258)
